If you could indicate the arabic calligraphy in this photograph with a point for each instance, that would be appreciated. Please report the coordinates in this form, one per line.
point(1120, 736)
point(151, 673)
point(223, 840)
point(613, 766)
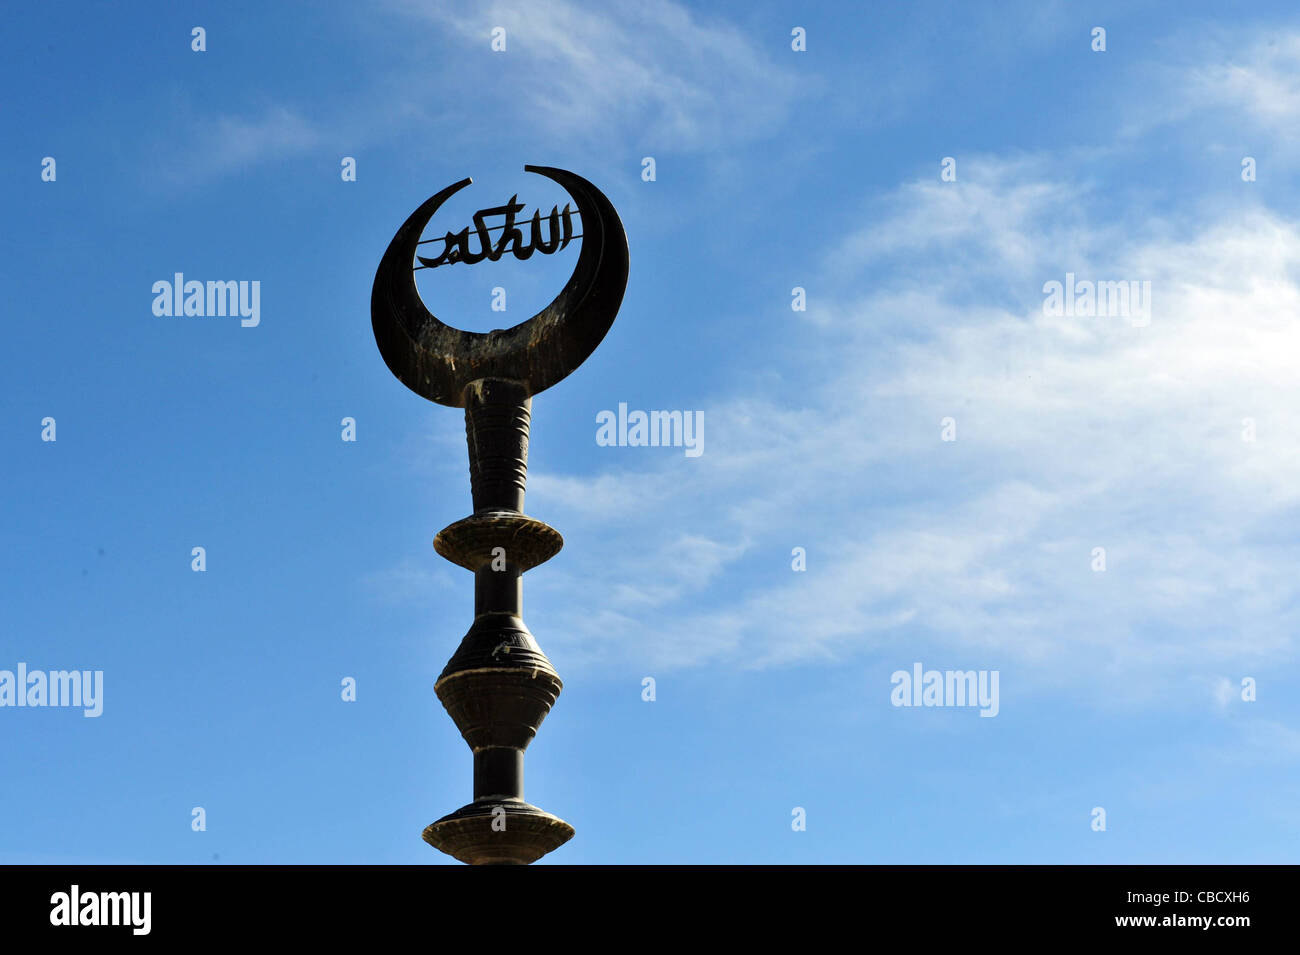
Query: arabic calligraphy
point(456, 245)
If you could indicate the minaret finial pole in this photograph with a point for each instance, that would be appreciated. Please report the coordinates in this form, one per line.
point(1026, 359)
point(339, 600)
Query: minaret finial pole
point(499, 685)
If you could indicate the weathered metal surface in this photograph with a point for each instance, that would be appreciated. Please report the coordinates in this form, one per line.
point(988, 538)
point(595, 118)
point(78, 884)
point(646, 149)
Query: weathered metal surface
point(471, 542)
point(439, 362)
point(499, 685)
point(467, 835)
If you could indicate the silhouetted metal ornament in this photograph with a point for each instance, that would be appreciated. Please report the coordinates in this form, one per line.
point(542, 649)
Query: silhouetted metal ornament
point(438, 362)
point(499, 685)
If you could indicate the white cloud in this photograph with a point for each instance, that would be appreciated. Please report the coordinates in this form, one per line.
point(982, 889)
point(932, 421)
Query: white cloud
point(1225, 693)
point(1072, 433)
point(1264, 81)
point(410, 583)
point(652, 71)
point(653, 75)
point(1226, 85)
point(219, 145)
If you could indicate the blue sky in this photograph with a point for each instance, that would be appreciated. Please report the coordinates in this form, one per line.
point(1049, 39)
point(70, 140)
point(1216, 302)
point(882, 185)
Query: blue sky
point(820, 169)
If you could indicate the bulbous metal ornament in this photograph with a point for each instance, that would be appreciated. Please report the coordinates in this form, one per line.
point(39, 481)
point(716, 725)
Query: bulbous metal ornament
point(499, 685)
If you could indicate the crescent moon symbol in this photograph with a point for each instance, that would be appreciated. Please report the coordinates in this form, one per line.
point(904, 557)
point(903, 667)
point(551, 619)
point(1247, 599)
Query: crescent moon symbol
point(437, 361)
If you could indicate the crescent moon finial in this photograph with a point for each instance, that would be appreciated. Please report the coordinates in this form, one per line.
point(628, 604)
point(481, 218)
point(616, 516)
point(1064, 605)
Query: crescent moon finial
point(437, 361)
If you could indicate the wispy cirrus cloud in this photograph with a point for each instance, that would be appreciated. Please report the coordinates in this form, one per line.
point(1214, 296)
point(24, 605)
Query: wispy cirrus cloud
point(1219, 87)
point(654, 71)
point(217, 146)
point(408, 583)
point(1263, 80)
point(1073, 433)
point(654, 74)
